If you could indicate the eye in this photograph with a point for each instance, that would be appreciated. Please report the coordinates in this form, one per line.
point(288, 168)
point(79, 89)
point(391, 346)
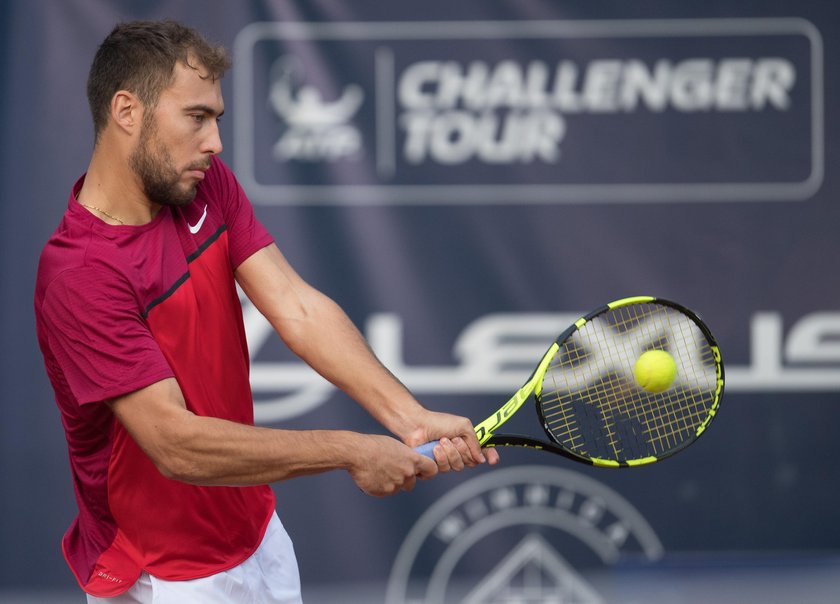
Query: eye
point(198, 118)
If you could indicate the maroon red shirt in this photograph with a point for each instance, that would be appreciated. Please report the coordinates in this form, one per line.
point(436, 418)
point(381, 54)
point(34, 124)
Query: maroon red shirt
point(119, 308)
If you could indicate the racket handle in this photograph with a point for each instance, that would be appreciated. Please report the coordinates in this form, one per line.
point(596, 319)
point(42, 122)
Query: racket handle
point(428, 449)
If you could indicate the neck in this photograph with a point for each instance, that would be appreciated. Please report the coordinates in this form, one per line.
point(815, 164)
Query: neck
point(112, 191)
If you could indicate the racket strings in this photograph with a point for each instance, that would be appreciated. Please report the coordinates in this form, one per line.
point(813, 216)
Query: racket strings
point(590, 401)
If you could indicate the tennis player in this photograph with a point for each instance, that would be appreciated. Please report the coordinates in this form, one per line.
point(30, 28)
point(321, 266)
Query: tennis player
point(141, 331)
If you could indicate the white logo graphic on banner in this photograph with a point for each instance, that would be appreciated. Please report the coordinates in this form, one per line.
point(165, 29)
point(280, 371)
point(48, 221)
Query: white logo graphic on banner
point(496, 353)
point(513, 578)
point(318, 130)
point(537, 513)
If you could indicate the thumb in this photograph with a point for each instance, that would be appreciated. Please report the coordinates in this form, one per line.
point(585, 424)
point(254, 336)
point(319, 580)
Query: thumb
point(425, 468)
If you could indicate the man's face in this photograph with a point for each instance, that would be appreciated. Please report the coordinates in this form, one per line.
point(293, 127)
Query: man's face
point(178, 137)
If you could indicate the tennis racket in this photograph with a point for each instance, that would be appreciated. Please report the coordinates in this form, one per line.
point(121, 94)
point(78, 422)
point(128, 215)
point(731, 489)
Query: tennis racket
point(588, 400)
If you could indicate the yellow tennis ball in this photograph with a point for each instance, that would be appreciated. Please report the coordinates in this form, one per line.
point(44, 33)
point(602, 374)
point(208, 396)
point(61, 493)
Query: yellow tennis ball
point(655, 370)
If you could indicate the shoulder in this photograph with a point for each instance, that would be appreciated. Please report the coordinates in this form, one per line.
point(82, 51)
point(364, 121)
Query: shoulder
point(79, 261)
point(68, 252)
point(87, 282)
point(76, 294)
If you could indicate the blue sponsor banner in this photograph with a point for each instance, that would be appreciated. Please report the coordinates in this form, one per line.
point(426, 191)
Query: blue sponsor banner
point(466, 179)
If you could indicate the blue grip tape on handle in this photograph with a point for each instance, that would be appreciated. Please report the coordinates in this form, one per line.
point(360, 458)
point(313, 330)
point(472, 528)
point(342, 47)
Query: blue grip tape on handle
point(428, 449)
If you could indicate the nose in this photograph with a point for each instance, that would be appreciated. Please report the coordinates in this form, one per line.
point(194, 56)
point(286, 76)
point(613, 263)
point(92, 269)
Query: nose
point(213, 141)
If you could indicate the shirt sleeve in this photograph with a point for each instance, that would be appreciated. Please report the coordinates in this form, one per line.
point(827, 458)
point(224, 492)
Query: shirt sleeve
point(246, 233)
point(98, 336)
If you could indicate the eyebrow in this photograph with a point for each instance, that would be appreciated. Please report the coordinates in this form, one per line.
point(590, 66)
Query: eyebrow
point(205, 109)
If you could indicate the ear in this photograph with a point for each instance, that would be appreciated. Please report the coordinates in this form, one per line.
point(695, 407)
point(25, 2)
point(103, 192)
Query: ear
point(126, 111)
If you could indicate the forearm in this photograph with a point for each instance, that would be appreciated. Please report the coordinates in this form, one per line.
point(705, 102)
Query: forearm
point(320, 333)
point(211, 451)
point(328, 341)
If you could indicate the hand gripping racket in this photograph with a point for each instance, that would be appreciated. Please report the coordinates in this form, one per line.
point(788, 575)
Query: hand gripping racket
point(588, 400)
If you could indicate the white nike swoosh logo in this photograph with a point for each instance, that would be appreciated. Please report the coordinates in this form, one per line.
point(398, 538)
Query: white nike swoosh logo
point(195, 229)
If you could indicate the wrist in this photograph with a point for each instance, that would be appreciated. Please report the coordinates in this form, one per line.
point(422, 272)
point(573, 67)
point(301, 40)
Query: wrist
point(409, 422)
point(348, 449)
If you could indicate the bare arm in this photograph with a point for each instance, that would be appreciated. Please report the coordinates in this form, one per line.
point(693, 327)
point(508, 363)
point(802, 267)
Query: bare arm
point(318, 331)
point(211, 451)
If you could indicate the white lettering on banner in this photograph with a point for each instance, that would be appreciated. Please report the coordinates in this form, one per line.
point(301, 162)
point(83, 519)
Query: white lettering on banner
point(606, 85)
point(510, 112)
point(495, 354)
point(457, 136)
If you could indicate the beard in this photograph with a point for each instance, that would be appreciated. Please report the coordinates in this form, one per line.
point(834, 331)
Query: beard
point(153, 165)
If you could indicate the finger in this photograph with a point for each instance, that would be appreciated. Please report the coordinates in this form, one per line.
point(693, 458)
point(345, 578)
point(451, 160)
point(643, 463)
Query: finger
point(492, 455)
point(453, 455)
point(442, 455)
point(474, 447)
point(463, 452)
point(409, 484)
point(425, 468)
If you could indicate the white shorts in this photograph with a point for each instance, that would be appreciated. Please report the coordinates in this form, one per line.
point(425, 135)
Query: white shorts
point(269, 576)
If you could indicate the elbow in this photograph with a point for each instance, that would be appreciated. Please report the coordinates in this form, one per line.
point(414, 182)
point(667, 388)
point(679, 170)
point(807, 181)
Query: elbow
point(175, 460)
point(176, 465)
point(178, 468)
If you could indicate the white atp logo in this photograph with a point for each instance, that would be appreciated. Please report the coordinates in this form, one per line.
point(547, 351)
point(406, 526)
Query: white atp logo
point(318, 129)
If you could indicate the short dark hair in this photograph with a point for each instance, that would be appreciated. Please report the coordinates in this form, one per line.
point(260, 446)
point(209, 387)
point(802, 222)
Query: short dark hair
point(140, 56)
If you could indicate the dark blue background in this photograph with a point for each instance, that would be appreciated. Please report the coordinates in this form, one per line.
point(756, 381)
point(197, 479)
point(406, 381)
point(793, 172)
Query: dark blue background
point(762, 480)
